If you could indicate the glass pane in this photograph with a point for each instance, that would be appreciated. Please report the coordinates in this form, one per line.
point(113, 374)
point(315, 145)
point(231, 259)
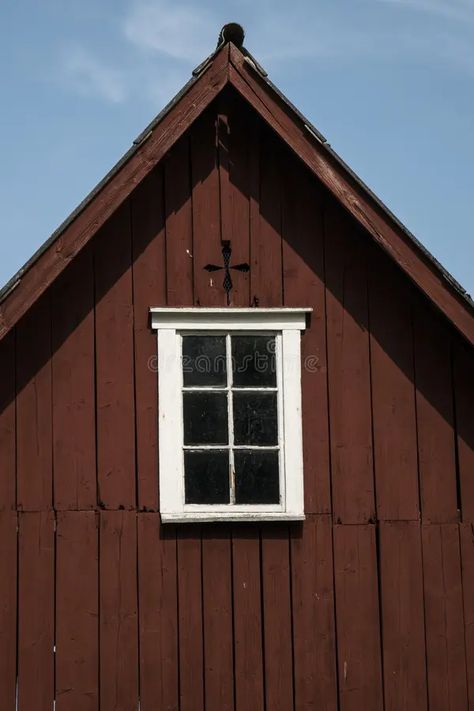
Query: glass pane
point(253, 359)
point(206, 477)
point(204, 361)
point(256, 477)
point(255, 418)
point(205, 418)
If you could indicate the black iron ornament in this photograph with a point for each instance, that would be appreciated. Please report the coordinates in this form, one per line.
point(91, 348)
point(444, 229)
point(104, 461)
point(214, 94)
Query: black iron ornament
point(226, 255)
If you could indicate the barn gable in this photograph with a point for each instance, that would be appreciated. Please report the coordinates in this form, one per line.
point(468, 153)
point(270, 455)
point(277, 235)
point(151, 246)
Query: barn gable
point(367, 603)
point(232, 66)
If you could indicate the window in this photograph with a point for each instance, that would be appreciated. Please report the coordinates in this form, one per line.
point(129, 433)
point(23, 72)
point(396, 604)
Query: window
point(230, 413)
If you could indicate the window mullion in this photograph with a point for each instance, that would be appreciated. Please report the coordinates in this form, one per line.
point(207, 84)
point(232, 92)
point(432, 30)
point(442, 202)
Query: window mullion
point(230, 418)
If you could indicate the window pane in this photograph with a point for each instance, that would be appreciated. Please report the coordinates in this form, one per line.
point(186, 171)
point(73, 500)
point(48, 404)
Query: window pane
point(256, 477)
point(204, 360)
point(206, 477)
point(205, 418)
point(253, 359)
point(255, 418)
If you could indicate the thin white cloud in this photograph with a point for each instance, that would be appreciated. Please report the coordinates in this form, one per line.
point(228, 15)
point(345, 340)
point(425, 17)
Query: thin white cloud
point(182, 32)
point(85, 73)
point(161, 39)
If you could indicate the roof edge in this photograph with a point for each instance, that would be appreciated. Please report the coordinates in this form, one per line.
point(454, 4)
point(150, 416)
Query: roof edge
point(228, 64)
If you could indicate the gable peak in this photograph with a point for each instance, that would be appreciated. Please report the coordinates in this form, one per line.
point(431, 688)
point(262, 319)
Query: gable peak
point(231, 32)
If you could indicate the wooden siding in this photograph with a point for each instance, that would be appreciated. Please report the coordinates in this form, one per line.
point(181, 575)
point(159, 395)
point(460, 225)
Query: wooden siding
point(367, 603)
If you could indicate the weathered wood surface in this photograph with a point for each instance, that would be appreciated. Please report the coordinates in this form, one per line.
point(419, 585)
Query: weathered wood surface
point(77, 611)
point(36, 611)
point(8, 608)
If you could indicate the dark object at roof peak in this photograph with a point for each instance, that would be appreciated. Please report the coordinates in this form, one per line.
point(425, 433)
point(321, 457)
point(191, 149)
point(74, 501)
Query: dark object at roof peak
point(231, 32)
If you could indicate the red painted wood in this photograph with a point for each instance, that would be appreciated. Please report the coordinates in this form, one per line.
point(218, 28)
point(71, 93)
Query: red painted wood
point(266, 290)
point(393, 392)
point(434, 402)
point(445, 642)
point(314, 631)
point(114, 363)
point(33, 409)
point(36, 611)
point(77, 610)
point(8, 608)
point(149, 289)
point(278, 648)
point(238, 177)
point(357, 618)
point(248, 641)
point(217, 618)
point(403, 630)
point(266, 241)
point(191, 658)
point(463, 371)
point(207, 247)
point(303, 275)
point(7, 424)
point(353, 195)
point(179, 225)
point(118, 611)
point(348, 370)
point(466, 531)
point(73, 382)
point(158, 614)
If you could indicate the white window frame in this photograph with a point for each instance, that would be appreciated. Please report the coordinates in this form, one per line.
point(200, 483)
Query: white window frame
point(286, 324)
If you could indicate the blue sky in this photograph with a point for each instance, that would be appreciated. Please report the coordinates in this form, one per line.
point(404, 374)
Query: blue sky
point(390, 83)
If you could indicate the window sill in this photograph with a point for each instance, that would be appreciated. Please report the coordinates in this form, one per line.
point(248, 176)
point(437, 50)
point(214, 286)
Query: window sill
point(209, 516)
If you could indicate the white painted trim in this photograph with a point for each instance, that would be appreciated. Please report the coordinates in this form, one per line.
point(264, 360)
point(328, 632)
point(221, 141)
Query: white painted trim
point(170, 421)
point(293, 430)
point(230, 516)
point(230, 319)
point(287, 323)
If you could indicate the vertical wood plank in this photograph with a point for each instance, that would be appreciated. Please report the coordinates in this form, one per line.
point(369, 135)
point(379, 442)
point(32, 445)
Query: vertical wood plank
point(34, 416)
point(114, 362)
point(158, 614)
point(303, 274)
point(207, 248)
point(466, 531)
point(434, 402)
point(313, 615)
point(348, 369)
point(403, 630)
point(149, 289)
point(277, 618)
point(36, 612)
point(179, 224)
point(118, 611)
point(217, 619)
point(190, 619)
point(238, 176)
point(445, 643)
point(77, 632)
point(7, 423)
point(393, 392)
point(8, 608)
point(249, 673)
point(266, 241)
point(357, 618)
point(73, 374)
point(266, 285)
point(464, 401)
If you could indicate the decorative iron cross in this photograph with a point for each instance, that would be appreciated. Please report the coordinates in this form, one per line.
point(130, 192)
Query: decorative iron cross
point(226, 255)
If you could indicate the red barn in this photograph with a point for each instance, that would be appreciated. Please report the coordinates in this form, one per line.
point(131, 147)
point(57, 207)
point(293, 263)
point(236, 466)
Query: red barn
point(236, 433)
